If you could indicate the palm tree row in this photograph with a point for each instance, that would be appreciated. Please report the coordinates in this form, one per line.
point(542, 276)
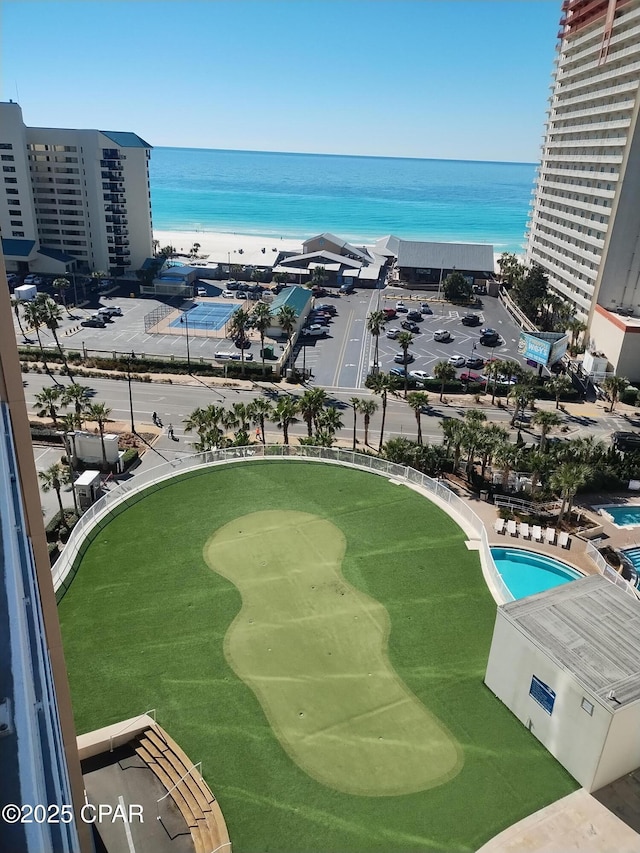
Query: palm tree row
point(41, 312)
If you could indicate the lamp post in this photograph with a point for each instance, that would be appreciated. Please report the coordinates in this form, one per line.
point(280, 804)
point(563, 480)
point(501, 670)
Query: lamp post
point(133, 355)
point(184, 320)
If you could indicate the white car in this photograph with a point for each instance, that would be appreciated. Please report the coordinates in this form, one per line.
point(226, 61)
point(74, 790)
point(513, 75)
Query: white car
point(228, 294)
point(110, 311)
point(32, 279)
point(393, 333)
point(315, 330)
point(201, 291)
point(457, 360)
point(401, 308)
point(442, 335)
point(421, 375)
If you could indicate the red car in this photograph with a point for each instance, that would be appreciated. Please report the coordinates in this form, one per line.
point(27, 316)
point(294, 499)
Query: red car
point(389, 313)
point(471, 377)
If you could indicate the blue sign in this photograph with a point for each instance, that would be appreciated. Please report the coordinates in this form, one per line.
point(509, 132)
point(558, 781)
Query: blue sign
point(534, 349)
point(542, 694)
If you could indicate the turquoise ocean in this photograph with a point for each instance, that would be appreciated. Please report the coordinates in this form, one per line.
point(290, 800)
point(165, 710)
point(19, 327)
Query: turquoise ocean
point(358, 198)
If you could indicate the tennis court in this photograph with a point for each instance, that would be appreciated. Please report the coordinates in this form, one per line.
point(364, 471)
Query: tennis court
point(210, 316)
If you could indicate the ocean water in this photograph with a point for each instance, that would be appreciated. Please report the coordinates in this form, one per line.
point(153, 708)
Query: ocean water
point(357, 198)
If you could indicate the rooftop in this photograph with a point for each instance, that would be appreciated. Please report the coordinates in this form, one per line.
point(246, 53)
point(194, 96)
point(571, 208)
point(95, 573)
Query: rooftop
point(591, 628)
point(463, 256)
point(296, 297)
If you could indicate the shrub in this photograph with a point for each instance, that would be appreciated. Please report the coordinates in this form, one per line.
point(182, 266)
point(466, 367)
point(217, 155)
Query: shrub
point(130, 457)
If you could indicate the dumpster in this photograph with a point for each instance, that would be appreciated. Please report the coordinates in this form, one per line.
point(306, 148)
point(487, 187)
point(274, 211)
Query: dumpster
point(268, 352)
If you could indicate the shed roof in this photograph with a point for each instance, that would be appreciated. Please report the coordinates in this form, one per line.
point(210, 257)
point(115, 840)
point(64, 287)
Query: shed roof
point(462, 256)
point(591, 628)
point(296, 297)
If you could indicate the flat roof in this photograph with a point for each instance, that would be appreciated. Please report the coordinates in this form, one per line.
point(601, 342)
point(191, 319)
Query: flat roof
point(477, 257)
point(591, 628)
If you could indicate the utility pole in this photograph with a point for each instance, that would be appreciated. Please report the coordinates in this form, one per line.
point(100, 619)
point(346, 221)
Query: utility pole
point(184, 320)
point(133, 355)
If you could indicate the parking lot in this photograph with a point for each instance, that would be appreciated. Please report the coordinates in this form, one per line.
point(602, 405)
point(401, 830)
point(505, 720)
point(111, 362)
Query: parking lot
point(342, 358)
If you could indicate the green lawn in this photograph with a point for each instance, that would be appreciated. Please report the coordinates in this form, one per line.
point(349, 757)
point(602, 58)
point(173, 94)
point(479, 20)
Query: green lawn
point(154, 619)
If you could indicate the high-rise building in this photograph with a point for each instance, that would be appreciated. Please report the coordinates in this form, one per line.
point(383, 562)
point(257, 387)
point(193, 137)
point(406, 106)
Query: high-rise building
point(72, 199)
point(584, 227)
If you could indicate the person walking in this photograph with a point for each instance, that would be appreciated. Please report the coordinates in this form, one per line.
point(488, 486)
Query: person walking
point(170, 431)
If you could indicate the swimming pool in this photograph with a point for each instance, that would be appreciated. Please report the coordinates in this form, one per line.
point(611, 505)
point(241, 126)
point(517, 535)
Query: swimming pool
point(526, 573)
point(210, 316)
point(623, 516)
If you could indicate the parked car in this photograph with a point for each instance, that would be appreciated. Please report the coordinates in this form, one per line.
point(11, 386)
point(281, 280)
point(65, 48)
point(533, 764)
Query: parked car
point(397, 371)
point(32, 279)
point(94, 323)
point(471, 377)
point(321, 320)
point(425, 308)
point(457, 360)
point(319, 292)
point(231, 355)
point(557, 367)
point(242, 343)
point(389, 313)
point(416, 316)
point(401, 358)
point(471, 320)
point(330, 309)
point(233, 285)
point(344, 288)
point(475, 362)
point(410, 326)
point(626, 440)
point(488, 331)
point(421, 375)
point(106, 318)
point(110, 311)
point(241, 294)
point(201, 291)
point(490, 340)
point(442, 335)
point(315, 330)
point(228, 294)
point(401, 308)
point(393, 333)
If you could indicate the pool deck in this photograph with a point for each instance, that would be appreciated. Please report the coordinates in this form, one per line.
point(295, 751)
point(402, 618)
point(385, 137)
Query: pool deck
point(607, 820)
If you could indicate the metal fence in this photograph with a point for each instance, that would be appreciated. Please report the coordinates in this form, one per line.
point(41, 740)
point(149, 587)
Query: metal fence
point(608, 571)
point(154, 317)
point(128, 492)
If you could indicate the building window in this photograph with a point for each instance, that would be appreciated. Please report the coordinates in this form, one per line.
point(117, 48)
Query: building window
point(7, 157)
point(8, 168)
point(13, 201)
point(11, 180)
point(17, 222)
point(11, 191)
point(587, 706)
point(17, 233)
point(6, 146)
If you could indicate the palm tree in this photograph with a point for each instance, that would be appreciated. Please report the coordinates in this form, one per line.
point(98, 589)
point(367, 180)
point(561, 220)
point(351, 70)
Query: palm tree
point(80, 396)
point(418, 401)
point(33, 316)
point(540, 464)
point(61, 285)
point(405, 339)
point(614, 386)
point(493, 369)
point(243, 414)
point(67, 426)
point(367, 408)
point(375, 325)
point(546, 421)
point(239, 323)
point(16, 304)
point(318, 277)
point(53, 479)
point(491, 438)
point(51, 315)
point(559, 385)
point(287, 320)
point(567, 479)
point(206, 422)
point(330, 421)
point(575, 327)
point(454, 435)
point(507, 456)
point(523, 393)
point(355, 405)
point(311, 405)
point(46, 403)
point(99, 413)
point(472, 435)
point(261, 321)
point(260, 410)
point(382, 384)
point(445, 372)
point(284, 414)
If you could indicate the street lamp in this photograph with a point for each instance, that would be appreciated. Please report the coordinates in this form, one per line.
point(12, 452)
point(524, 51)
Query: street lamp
point(184, 321)
point(133, 355)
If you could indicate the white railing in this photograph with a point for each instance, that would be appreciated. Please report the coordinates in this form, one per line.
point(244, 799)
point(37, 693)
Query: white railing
point(608, 571)
point(130, 723)
point(101, 512)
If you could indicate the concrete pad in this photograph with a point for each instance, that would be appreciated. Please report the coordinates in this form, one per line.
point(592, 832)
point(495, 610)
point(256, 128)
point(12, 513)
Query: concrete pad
point(577, 822)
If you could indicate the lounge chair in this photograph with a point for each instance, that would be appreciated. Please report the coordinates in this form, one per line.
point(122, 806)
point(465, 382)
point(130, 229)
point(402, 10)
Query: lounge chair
point(550, 536)
point(536, 533)
point(512, 529)
point(498, 525)
point(524, 530)
point(563, 539)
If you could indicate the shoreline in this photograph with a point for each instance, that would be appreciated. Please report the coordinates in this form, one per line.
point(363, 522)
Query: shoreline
point(238, 248)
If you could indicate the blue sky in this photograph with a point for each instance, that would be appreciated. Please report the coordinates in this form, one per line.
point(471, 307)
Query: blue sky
point(423, 78)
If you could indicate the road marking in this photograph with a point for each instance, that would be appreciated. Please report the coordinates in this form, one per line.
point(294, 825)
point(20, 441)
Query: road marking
point(127, 828)
point(343, 349)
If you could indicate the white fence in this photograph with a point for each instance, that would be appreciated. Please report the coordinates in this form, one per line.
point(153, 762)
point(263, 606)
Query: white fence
point(102, 511)
point(607, 571)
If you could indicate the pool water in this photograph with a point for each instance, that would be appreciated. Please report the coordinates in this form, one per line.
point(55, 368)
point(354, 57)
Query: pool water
point(211, 316)
point(624, 516)
point(526, 573)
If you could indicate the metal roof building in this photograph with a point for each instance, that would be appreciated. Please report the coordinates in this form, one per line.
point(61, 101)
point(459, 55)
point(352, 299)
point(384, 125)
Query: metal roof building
point(476, 257)
point(567, 664)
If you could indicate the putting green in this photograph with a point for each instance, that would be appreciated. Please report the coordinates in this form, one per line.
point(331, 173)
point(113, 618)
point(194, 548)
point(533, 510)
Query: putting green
point(314, 651)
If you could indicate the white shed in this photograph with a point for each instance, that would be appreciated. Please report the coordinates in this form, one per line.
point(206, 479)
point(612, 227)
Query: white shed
point(567, 663)
point(26, 292)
